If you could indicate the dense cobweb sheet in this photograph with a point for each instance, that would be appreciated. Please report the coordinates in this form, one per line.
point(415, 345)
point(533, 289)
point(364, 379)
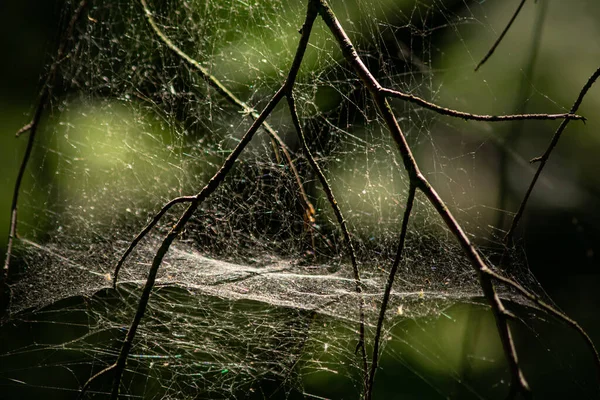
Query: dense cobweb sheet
point(257, 298)
point(326, 289)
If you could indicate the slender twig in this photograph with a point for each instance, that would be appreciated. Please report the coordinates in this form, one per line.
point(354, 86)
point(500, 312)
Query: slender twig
point(343, 226)
point(543, 159)
point(210, 187)
point(234, 100)
point(497, 42)
point(32, 128)
point(144, 232)
point(476, 117)
point(417, 179)
point(388, 290)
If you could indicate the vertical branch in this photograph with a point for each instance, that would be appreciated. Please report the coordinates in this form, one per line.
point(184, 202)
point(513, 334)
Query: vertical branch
point(343, 227)
point(32, 128)
point(419, 181)
point(388, 290)
point(543, 159)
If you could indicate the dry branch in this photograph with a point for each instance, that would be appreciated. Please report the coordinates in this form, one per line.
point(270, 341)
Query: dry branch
point(475, 117)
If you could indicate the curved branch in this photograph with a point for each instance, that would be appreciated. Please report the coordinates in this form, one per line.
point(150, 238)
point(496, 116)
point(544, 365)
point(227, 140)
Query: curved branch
point(146, 230)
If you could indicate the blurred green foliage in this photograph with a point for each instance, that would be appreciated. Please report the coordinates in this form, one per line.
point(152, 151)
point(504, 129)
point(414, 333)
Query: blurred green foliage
point(568, 53)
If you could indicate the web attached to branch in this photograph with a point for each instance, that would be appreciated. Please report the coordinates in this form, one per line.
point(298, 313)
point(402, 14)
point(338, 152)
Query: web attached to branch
point(257, 296)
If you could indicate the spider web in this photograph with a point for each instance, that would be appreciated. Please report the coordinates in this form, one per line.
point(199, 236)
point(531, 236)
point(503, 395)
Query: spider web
point(256, 299)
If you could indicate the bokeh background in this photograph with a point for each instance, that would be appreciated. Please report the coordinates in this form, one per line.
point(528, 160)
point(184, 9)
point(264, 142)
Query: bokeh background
point(545, 59)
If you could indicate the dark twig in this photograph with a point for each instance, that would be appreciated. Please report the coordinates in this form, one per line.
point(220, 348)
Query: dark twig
point(497, 42)
point(419, 181)
point(210, 187)
point(543, 159)
point(86, 386)
point(388, 290)
point(475, 117)
point(32, 128)
point(343, 226)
